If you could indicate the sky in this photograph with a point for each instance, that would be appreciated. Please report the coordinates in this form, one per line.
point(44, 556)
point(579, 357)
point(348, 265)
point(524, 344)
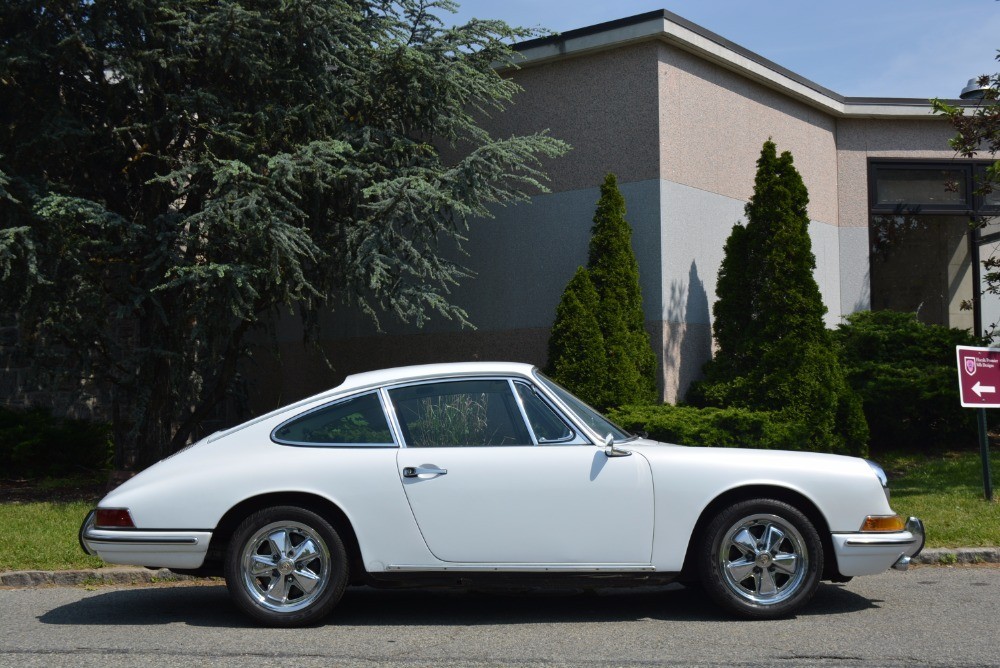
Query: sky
point(857, 48)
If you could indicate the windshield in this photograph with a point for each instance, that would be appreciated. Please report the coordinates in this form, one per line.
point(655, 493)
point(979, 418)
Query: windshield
point(585, 413)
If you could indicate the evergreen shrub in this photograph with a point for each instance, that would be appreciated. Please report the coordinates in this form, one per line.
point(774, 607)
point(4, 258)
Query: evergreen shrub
point(775, 353)
point(599, 348)
point(576, 346)
point(34, 444)
point(905, 374)
point(714, 427)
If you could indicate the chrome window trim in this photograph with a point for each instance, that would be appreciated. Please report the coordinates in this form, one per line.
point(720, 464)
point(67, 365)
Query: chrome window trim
point(574, 418)
point(394, 419)
point(524, 413)
point(338, 400)
point(574, 438)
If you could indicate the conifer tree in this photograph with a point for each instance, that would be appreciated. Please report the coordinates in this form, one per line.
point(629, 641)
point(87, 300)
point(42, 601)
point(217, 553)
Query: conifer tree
point(775, 353)
point(175, 174)
point(631, 376)
point(600, 327)
point(576, 346)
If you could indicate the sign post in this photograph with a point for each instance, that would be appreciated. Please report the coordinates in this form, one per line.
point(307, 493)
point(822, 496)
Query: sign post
point(978, 384)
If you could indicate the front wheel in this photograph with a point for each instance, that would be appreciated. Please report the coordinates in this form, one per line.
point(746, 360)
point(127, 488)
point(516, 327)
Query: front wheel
point(761, 559)
point(286, 566)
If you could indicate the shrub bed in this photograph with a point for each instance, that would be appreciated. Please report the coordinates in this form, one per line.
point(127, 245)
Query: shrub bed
point(34, 444)
point(714, 427)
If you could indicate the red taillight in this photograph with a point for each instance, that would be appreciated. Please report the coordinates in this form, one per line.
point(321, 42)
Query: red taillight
point(118, 518)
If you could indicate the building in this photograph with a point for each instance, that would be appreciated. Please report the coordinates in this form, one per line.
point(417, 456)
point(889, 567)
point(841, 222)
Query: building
point(679, 114)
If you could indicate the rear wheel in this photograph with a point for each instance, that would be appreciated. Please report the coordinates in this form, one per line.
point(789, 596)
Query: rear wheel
point(286, 566)
point(761, 559)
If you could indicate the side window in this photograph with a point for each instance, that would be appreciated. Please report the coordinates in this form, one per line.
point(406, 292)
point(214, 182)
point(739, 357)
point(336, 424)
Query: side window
point(548, 427)
point(459, 413)
point(359, 420)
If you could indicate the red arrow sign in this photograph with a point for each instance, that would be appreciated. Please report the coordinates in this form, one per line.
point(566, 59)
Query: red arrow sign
point(979, 376)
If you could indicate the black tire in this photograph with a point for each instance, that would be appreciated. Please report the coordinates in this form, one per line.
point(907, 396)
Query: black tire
point(760, 559)
point(286, 566)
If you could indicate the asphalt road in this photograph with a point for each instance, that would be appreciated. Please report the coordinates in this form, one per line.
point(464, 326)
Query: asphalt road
point(930, 616)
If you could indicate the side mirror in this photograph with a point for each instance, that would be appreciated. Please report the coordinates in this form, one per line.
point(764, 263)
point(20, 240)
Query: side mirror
point(611, 451)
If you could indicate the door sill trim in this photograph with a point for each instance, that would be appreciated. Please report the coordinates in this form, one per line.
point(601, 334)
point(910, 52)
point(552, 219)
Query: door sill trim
point(523, 568)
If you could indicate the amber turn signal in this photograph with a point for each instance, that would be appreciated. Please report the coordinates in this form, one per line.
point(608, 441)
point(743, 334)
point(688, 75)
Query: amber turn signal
point(883, 523)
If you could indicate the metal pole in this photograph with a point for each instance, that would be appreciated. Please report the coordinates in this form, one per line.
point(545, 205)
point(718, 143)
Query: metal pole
point(984, 451)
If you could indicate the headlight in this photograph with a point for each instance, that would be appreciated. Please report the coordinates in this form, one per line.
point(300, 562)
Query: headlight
point(882, 478)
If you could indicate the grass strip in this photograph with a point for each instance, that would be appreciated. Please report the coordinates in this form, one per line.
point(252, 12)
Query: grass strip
point(43, 536)
point(946, 492)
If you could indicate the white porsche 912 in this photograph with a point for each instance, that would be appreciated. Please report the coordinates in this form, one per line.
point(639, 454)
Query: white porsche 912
point(491, 473)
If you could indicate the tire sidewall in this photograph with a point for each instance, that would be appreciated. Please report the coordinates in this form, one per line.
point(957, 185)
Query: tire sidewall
point(333, 588)
point(714, 581)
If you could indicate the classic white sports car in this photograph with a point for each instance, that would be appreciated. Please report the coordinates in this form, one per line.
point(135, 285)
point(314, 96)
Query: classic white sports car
point(491, 473)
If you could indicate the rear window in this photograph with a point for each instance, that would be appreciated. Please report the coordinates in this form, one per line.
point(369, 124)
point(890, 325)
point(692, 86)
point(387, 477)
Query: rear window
point(355, 421)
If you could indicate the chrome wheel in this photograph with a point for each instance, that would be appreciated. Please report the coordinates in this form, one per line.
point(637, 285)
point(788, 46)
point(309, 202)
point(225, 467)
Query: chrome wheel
point(763, 559)
point(760, 558)
point(286, 566)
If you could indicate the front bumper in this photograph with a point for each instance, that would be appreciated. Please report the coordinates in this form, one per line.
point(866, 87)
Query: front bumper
point(137, 547)
point(870, 553)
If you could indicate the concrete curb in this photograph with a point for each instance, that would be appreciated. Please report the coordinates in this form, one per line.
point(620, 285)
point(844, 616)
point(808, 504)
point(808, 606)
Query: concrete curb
point(91, 576)
point(947, 556)
point(938, 556)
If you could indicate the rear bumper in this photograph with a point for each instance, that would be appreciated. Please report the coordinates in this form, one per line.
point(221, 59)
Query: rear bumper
point(870, 553)
point(136, 547)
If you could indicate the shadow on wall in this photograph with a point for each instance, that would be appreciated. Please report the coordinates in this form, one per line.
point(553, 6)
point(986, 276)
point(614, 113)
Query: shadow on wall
point(864, 301)
point(688, 342)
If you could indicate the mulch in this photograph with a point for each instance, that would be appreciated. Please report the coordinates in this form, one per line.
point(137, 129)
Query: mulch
point(31, 491)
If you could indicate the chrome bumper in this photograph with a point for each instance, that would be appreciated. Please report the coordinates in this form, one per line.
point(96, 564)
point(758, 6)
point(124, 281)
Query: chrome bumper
point(160, 548)
point(870, 553)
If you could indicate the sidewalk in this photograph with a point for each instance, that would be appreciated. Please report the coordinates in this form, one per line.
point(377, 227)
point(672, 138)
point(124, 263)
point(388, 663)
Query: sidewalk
point(938, 556)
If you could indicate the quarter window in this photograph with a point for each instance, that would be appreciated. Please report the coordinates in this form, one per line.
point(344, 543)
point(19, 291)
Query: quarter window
point(548, 427)
point(459, 413)
point(356, 421)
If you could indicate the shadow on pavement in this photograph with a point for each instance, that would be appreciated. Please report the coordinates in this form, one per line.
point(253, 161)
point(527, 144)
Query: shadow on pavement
point(210, 606)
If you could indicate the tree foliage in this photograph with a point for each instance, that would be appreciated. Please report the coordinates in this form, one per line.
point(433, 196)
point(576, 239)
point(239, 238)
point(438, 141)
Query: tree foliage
point(975, 133)
point(904, 372)
point(172, 173)
point(979, 131)
point(577, 358)
point(631, 375)
point(775, 354)
point(599, 347)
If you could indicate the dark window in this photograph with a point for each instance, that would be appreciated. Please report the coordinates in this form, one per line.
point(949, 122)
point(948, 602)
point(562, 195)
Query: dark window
point(918, 188)
point(922, 264)
point(459, 413)
point(359, 420)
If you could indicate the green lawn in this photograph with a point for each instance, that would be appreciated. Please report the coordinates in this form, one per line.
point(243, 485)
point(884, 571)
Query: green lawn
point(43, 536)
point(946, 492)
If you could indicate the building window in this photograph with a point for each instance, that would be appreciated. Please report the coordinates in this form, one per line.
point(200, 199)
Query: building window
point(926, 226)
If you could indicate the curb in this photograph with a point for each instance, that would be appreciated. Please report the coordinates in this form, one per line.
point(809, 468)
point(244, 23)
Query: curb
point(91, 576)
point(937, 556)
point(948, 556)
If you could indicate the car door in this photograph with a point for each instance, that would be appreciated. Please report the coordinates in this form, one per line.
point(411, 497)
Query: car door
point(484, 491)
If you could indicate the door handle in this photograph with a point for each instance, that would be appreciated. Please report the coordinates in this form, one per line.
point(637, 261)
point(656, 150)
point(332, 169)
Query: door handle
point(417, 471)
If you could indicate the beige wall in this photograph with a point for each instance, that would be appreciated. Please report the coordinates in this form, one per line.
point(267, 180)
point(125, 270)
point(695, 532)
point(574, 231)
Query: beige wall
point(604, 105)
point(714, 122)
point(861, 138)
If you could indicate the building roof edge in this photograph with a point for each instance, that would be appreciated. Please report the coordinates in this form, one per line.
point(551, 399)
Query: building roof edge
point(667, 26)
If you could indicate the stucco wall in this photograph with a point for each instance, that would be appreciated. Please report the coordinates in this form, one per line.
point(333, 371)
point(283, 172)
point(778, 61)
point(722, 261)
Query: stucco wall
point(714, 122)
point(861, 138)
point(604, 105)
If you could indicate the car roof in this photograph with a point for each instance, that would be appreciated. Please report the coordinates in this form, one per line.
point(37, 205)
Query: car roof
point(402, 374)
point(405, 374)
